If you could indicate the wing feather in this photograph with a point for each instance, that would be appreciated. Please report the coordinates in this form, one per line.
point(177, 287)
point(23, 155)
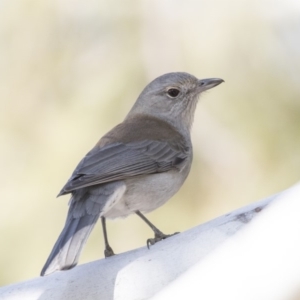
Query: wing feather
point(119, 161)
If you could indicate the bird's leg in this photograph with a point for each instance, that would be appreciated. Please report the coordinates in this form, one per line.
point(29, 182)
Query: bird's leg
point(108, 250)
point(158, 235)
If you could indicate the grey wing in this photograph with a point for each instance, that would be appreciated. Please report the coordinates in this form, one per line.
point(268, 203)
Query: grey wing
point(120, 161)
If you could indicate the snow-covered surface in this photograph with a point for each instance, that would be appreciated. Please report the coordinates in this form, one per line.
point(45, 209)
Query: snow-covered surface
point(262, 261)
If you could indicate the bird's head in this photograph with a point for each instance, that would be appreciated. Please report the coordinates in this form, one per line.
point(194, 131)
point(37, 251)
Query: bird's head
point(173, 97)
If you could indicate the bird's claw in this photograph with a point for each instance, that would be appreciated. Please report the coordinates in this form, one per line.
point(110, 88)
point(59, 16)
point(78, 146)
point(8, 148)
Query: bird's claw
point(158, 237)
point(108, 252)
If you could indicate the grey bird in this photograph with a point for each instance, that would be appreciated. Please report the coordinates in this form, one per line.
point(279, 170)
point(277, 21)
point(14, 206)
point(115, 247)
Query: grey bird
point(135, 168)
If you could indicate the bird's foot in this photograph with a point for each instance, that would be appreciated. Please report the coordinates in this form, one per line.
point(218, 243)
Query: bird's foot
point(158, 237)
point(108, 252)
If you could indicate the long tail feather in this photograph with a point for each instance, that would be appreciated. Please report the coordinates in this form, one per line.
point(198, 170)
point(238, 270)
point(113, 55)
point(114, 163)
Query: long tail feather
point(66, 250)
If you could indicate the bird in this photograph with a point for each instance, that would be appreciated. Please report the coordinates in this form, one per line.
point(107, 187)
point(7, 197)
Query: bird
point(135, 168)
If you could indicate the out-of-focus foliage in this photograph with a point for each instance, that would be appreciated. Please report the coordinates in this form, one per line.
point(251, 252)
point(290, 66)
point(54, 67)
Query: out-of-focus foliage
point(70, 70)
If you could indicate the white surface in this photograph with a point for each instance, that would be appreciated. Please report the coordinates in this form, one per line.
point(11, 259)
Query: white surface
point(142, 273)
point(261, 262)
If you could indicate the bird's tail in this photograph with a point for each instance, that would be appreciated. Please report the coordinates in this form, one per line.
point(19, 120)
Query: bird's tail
point(66, 250)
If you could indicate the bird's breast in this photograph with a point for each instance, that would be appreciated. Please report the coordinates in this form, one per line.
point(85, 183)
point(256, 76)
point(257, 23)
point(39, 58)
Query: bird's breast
point(146, 193)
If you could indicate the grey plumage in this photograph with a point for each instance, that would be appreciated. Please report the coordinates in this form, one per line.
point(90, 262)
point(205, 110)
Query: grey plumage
point(135, 167)
point(122, 156)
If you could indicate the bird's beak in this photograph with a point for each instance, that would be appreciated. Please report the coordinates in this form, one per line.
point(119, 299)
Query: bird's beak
point(206, 84)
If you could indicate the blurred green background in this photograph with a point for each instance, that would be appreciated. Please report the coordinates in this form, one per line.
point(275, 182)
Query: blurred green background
point(71, 70)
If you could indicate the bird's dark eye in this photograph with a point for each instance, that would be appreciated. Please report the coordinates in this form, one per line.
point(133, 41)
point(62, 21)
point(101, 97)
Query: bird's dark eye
point(173, 93)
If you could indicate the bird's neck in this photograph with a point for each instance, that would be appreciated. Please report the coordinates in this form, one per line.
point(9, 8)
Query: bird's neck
point(187, 115)
point(175, 122)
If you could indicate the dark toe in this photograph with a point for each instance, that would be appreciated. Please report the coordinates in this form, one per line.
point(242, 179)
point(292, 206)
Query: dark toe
point(108, 252)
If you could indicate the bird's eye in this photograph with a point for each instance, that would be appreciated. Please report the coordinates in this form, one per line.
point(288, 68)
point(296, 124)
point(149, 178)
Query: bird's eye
point(173, 93)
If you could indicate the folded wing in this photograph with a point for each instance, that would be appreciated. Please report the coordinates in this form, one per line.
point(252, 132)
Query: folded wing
point(119, 161)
